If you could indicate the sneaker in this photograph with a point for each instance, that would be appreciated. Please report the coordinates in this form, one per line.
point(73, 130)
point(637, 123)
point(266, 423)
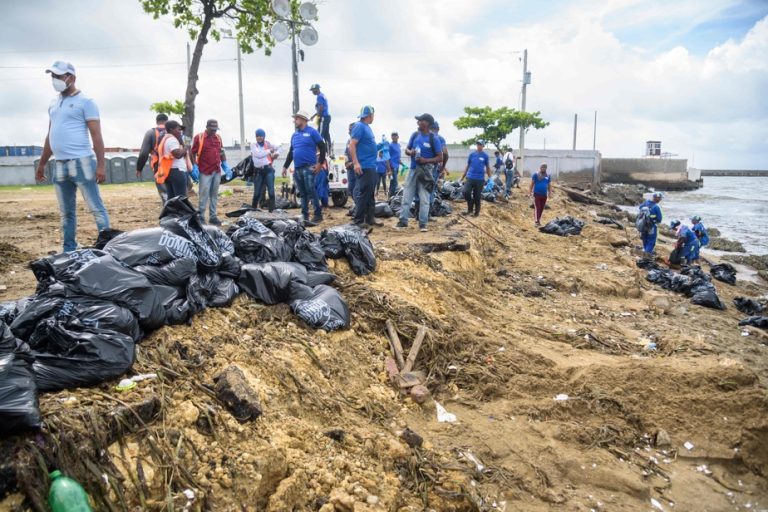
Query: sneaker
point(317, 220)
point(476, 214)
point(468, 212)
point(214, 222)
point(401, 225)
point(423, 228)
point(378, 224)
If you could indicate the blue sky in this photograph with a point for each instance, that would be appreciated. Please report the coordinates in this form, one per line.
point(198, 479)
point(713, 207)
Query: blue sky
point(691, 73)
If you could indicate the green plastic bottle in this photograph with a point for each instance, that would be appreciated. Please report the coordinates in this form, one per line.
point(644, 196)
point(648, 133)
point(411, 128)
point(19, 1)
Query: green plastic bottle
point(66, 495)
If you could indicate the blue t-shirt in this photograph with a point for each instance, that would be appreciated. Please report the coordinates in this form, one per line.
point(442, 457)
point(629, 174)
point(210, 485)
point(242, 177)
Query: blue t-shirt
point(498, 163)
point(422, 141)
point(304, 143)
point(655, 210)
point(381, 166)
point(69, 136)
point(540, 185)
point(477, 162)
point(366, 145)
point(322, 100)
point(701, 233)
point(688, 236)
point(394, 155)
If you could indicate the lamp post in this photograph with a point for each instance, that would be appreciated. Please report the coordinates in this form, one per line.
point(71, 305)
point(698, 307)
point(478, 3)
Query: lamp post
point(290, 25)
point(239, 90)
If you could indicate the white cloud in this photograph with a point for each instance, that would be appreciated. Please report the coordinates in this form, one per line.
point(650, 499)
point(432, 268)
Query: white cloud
point(408, 57)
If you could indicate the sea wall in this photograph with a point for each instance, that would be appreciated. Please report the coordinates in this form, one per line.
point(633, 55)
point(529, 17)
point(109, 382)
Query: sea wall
point(660, 173)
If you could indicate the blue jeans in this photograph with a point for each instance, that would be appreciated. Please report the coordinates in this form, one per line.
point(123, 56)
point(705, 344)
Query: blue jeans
point(70, 175)
point(509, 176)
point(209, 192)
point(436, 175)
point(325, 133)
point(264, 179)
point(366, 190)
point(411, 189)
point(305, 183)
point(176, 183)
point(322, 187)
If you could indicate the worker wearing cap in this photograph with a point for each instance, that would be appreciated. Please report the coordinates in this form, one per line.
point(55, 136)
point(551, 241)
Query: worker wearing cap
point(209, 160)
point(686, 241)
point(324, 115)
point(701, 233)
point(654, 215)
point(540, 191)
point(478, 166)
point(395, 157)
point(148, 152)
point(362, 149)
point(263, 153)
point(426, 151)
point(72, 118)
point(173, 158)
point(305, 142)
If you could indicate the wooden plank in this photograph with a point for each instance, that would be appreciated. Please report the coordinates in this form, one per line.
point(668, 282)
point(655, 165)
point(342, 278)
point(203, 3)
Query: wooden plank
point(414, 352)
point(394, 344)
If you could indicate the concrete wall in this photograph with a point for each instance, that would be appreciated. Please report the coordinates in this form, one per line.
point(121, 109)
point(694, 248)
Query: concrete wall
point(17, 170)
point(648, 171)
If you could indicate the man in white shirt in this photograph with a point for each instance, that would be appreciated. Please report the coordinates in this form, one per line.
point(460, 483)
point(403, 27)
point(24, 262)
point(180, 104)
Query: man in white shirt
point(263, 153)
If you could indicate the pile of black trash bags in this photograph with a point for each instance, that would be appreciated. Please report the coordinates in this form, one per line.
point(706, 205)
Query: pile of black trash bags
point(394, 206)
point(92, 307)
point(454, 190)
point(753, 308)
point(563, 226)
point(724, 272)
point(691, 281)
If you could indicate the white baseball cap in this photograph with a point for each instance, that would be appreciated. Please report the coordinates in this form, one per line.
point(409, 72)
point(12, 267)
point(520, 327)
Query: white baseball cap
point(302, 114)
point(61, 68)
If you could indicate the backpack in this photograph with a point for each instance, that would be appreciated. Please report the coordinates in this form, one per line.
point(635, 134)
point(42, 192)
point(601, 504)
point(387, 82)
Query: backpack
point(644, 223)
point(154, 154)
point(509, 163)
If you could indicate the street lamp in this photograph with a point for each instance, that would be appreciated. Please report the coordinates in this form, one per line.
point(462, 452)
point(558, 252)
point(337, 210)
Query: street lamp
point(287, 25)
point(240, 90)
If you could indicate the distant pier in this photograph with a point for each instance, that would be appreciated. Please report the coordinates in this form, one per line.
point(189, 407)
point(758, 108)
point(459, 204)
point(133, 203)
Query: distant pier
point(733, 172)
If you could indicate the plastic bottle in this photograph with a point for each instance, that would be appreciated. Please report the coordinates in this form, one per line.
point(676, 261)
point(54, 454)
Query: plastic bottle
point(66, 495)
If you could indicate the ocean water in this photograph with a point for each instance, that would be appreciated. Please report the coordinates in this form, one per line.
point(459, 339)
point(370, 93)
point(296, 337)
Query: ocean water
point(737, 206)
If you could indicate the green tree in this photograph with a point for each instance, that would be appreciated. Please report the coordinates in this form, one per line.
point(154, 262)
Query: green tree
point(496, 124)
point(168, 107)
point(250, 20)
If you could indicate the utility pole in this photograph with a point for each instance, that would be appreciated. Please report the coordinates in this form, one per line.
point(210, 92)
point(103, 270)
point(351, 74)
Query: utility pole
point(295, 69)
point(594, 133)
point(240, 91)
point(575, 123)
point(526, 81)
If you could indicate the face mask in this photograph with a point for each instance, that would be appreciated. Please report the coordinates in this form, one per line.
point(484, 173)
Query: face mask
point(59, 85)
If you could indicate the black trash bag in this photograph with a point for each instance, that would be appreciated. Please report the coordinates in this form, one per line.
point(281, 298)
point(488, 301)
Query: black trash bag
point(73, 312)
point(150, 246)
point(244, 208)
point(318, 278)
point(177, 308)
point(440, 208)
point(675, 257)
point(706, 295)
point(747, 306)
point(660, 276)
point(230, 264)
point(98, 274)
point(69, 358)
point(256, 243)
point(382, 210)
point(610, 222)
point(647, 264)
point(490, 197)
point(756, 321)
point(281, 203)
point(353, 243)
point(244, 169)
point(223, 242)
point(174, 273)
point(322, 307)
point(271, 282)
point(19, 408)
point(695, 272)
point(180, 217)
point(210, 291)
point(308, 251)
point(11, 309)
point(283, 226)
point(724, 272)
point(105, 236)
point(563, 226)
point(9, 342)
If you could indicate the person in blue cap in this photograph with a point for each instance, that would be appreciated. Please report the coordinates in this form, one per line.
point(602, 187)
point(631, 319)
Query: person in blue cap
point(324, 115)
point(426, 152)
point(362, 149)
point(686, 241)
point(263, 153)
point(305, 142)
point(394, 162)
point(701, 233)
point(478, 166)
point(648, 219)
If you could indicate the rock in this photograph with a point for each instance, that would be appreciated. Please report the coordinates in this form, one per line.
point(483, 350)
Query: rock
point(336, 434)
point(342, 501)
point(658, 301)
point(237, 395)
point(662, 439)
point(188, 412)
point(420, 394)
point(617, 241)
point(372, 499)
point(411, 438)
point(723, 244)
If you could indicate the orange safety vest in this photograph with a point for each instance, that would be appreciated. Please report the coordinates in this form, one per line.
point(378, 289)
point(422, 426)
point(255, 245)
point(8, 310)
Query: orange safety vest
point(201, 138)
point(154, 156)
point(166, 161)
